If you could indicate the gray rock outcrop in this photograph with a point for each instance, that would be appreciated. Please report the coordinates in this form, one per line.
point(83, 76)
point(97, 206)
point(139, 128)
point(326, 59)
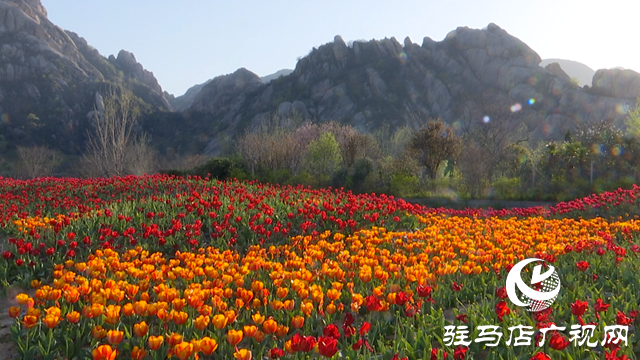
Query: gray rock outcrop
point(54, 74)
point(369, 84)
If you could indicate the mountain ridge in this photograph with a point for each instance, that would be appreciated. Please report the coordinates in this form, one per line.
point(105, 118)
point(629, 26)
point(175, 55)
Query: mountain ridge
point(49, 78)
point(372, 83)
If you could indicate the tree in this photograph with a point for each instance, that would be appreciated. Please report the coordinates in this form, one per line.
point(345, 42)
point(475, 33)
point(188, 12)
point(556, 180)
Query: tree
point(633, 120)
point(324, 155)
point(37, 161)
point(113, 133)
point(493, 125)
point(433, 144)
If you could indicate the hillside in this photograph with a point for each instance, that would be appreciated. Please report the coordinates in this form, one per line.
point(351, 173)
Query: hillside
point(49, 78)
point(470, 74)
point(574, 69)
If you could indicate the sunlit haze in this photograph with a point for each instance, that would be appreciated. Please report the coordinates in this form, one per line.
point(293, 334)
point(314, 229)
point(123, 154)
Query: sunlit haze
point(187, 42)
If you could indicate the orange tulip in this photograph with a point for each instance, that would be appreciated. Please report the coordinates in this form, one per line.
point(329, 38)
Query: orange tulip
point(257, 318)
point(297, 322)
point(163, 315)
point(270, 326)
point(138, 353)
point(234, 337)
point(282, 292)
point(289, 305)
point(14, 311)
point(73, 317)
point(183, 350)
point(22, 299)
point(180, 318)
point(307, 308)
point(98, 332)
point(333, 294)
point(231, 316)
point(33, 312)
point(140, 329)
point(282, 330)
point(104, 352)
point(201, 322)
point(219, 321)
point(96, 310)
point(29, 321)
point(127, 309)
point(174, 339)
point(71, 295)
point(112, 315)
point(51, 320)
point(259, 336)
point(139, 307)
point(114, 337)
point(242, 354)
point(250, 330)
point(208, 345)
point(155, 342)
point(330, 309)
point(178, 304)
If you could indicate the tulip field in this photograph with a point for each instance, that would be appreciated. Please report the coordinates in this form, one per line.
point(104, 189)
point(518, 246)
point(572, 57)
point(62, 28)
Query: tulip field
point(159, 267)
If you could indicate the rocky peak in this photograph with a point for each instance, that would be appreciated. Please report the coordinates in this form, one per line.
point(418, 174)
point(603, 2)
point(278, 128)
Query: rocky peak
point(54, 74)
point(555, 69)
point(621, 83)
point(222, 89)
point(32, 8)
point(127, 62)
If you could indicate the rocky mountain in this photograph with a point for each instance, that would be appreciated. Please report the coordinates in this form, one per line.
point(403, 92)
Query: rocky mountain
point(49, 78)
point(183, 102)
point(276, 75)
point(470, 74)
point(576, 70)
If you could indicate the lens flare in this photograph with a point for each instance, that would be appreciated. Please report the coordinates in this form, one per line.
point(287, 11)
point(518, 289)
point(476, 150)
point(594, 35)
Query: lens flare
point(531, 101)
point(597, 149)
point(403, 57)
point(621, 108)
point(5, 118)
point(516, 107)
point(486, 119)
point(616, 150)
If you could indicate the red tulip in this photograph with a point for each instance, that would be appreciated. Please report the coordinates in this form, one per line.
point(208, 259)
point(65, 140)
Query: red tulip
point(622, 319)
point(502, 309)
point(327, 346)
point(331, 330)
point(578, 308)
point(460, 352)
point(540, 356)
point(502, 293)
point(582, 265)
point(558, 342)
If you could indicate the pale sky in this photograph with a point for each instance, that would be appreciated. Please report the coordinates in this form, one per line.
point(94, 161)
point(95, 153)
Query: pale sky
point(186, 42)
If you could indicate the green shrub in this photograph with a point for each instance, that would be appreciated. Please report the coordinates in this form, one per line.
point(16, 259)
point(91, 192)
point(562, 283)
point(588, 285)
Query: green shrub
point(404, 185)
point(507, 188)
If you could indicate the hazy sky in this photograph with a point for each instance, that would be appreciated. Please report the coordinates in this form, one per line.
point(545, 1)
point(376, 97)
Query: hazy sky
point(186, 42)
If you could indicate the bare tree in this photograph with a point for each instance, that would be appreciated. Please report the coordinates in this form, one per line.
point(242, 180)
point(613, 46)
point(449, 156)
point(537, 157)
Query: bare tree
point(494, 125)
point(113, 133)
point(140, 157)
point(37, 161)
point(474, 162)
